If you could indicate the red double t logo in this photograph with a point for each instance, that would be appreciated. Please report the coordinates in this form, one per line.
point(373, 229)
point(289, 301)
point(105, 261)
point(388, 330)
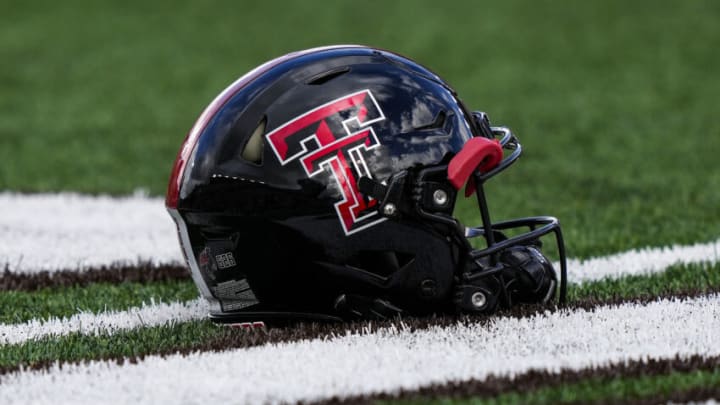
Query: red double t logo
point(337, 137)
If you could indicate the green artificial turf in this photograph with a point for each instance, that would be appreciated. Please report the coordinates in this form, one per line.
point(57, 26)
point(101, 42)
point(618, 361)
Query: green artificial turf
point(135, 342)
point(685, 278)
point(179, 336)
point(21, 306)
point(615, 102)
point(593, 390)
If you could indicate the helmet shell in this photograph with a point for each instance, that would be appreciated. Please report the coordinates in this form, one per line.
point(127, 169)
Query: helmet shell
point(288, 226)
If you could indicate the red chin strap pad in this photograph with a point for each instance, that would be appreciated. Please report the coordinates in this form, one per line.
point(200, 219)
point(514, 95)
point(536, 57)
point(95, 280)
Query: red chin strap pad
point(477, 154)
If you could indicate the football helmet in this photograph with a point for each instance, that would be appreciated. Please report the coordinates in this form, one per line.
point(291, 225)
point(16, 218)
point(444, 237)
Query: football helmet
point(321, 185)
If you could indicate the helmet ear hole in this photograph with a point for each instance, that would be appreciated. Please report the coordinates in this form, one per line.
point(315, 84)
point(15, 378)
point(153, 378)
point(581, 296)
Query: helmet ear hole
point(253, 150)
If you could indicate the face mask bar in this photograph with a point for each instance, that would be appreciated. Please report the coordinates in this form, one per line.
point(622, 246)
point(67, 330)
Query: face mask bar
point(537, 227)
point(409, 193)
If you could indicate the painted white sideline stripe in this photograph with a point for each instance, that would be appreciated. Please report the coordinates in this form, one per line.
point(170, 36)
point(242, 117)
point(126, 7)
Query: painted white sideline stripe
point(641, 261)
point(47, 232)
point(71, 231)
point(89, 323)
point(387, 360)
point(109, 321)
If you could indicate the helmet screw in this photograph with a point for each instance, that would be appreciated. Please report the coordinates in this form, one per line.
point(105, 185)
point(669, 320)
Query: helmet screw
point(478, 299)
point(428, 288)
point(389, 209)
point(440, 197)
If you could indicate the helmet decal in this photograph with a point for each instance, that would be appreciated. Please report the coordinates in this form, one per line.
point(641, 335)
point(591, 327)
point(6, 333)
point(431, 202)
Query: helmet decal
point(334, 137)
point(275, 233)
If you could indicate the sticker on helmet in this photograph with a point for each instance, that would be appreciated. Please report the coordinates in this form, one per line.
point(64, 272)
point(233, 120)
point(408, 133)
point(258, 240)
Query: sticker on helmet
point(334, 137)
point(225, 260)
point(235, 295)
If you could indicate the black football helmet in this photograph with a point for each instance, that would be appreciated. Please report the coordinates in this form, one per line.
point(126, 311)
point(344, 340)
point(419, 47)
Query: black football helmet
point(321, 185)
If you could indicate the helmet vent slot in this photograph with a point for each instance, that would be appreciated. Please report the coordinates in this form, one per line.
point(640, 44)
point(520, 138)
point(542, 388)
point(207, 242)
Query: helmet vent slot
point(253, 150)
point(327, 76)
point(437, 122)
point(382, 263)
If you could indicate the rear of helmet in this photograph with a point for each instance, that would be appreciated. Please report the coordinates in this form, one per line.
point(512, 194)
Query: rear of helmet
point(322, 184)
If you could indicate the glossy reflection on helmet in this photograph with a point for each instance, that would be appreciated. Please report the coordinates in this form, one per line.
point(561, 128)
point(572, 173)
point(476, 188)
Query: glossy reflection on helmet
point(322, 184)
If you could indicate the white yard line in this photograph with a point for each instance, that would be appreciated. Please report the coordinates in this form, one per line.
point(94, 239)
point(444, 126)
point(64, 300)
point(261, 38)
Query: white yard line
point(388, 360)
point(47, 232)
point(108, 322)
point(641, 261)
point(74, 232)
point(151, 314)
point(71, 231)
